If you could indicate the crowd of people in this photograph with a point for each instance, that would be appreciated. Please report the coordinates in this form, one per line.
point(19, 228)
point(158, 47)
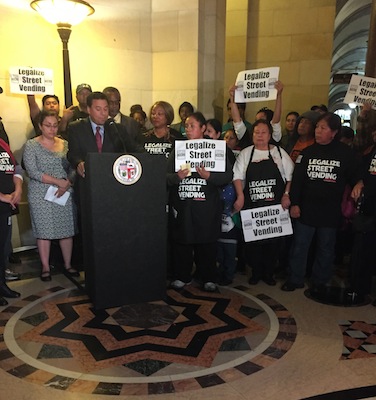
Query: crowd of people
point(305, 167)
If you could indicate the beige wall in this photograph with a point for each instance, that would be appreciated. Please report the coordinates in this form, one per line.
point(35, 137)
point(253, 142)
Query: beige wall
point(296, 35)
point(152, 50)
point(156, 50)
point(186, 50)
point(236, 44)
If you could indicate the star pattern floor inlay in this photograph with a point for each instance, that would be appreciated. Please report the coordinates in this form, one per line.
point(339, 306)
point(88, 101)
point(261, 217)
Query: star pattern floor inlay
point(191, 340)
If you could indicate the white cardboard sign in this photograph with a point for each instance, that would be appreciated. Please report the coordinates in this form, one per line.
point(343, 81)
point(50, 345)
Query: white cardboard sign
point(265, 222)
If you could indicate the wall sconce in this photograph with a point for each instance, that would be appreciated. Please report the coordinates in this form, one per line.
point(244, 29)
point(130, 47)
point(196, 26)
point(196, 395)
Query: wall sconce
point(64, 13)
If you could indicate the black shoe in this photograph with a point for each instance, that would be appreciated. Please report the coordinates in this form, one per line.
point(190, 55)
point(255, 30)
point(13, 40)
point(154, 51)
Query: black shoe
point(269, 281)
point(72, 272)
point(45, 276)
point(6, 292)
point(291, 286)
point(253, 280)
point(3, 302)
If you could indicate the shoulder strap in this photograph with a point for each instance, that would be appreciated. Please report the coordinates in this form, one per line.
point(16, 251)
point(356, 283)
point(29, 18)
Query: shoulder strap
point(6, 147)
point(279, 150)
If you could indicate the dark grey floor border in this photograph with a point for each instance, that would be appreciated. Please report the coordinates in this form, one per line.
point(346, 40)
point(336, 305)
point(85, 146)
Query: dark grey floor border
point(350, 394)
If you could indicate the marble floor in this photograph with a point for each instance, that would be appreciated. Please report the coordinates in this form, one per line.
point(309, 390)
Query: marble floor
point(242, 342)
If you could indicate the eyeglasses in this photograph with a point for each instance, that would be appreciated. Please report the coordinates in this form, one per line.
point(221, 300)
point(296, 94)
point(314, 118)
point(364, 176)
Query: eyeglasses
point(51, 126)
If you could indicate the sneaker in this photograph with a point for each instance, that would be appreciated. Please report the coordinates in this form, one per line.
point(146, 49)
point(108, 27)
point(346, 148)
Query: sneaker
point(210, 287)
point(11, 275)
point(178, 284)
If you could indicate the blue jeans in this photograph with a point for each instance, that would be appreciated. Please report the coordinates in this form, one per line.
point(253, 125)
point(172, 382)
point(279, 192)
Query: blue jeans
point(226, 257)
point(322, 269)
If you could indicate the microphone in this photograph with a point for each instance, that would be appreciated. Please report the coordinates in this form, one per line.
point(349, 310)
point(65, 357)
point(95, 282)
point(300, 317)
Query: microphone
point(111, 125)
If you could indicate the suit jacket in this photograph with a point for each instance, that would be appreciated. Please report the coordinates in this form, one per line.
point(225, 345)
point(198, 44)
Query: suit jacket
point(131, 125)
point(81, 141)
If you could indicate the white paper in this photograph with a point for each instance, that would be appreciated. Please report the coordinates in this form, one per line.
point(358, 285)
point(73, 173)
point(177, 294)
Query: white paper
point(361, 89)
point(51, 196)
point(256, 85)
point(28, 80)
point(265, 222)
point(207, 153)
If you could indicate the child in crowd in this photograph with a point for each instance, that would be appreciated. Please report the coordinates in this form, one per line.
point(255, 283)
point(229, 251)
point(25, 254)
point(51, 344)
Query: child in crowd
point(230, 232)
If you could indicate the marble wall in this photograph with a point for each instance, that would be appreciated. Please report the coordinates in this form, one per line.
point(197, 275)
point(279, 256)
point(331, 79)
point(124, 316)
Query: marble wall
point(172, 50)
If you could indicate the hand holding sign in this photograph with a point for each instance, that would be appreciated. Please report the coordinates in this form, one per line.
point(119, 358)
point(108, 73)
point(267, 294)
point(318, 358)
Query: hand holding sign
point(256, 85)
point(203, 172)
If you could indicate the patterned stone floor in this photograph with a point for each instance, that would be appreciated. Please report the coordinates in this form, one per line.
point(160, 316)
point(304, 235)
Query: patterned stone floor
point(243, 342)
point(192, 340)
point(359, 339)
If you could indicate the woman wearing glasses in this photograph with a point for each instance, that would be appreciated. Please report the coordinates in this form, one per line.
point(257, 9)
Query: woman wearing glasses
point(48, 168)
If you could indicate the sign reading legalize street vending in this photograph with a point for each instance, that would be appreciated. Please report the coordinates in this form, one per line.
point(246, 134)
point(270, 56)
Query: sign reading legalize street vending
point(256, 85)
point(28, 80)
point(361, 89)
point(207, 153)
point(265, 222)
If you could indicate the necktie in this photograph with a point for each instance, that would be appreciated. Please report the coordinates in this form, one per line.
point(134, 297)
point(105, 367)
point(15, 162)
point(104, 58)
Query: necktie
point(98, 139)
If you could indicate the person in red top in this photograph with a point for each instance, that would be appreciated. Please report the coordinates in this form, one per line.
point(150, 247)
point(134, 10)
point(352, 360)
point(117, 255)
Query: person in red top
point(10, 196)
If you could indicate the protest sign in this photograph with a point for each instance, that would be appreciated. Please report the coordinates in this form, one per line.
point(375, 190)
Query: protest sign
point(207, 153)
point(265, 222)
point(27, 80)
point(256, 85)
point(361, 89)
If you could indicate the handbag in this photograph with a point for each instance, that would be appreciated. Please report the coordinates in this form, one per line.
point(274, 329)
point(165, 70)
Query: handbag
point(348, 206)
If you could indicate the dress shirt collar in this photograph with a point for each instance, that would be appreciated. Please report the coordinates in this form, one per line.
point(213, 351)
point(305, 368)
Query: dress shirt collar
point(94, 128)
point(117, 118)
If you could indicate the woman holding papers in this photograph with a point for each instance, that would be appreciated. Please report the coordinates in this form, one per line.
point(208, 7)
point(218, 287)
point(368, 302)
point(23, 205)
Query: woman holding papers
point(52, 209)
point(262, 177)
point(196, 209)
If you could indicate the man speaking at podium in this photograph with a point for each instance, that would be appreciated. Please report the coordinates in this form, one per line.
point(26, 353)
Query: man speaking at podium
point(97, 134)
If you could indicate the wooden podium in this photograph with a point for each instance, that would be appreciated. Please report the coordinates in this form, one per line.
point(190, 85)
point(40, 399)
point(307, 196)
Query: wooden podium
point(124, 227)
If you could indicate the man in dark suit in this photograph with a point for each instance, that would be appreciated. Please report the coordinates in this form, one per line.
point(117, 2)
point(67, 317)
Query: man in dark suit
point(131, 125)
point(95, 134)
point(84, 134)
